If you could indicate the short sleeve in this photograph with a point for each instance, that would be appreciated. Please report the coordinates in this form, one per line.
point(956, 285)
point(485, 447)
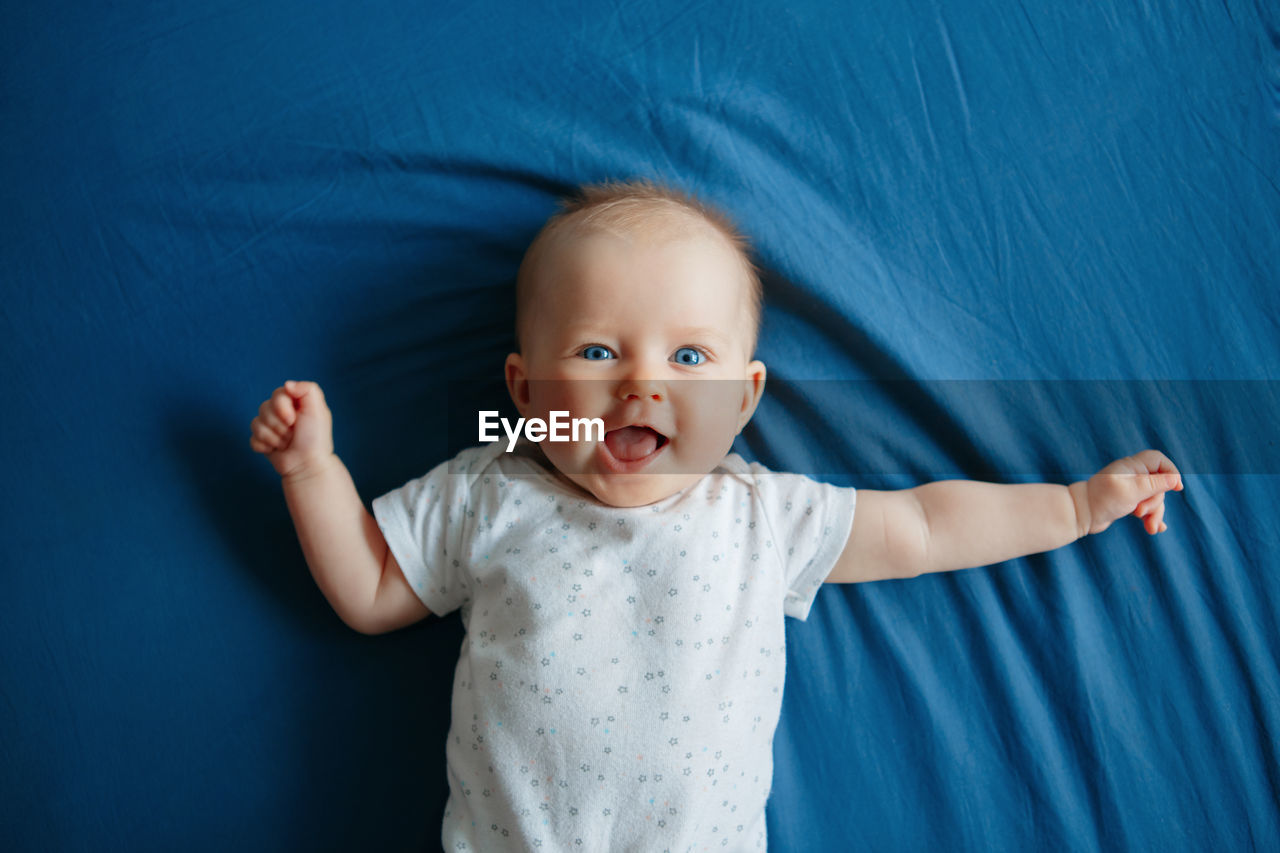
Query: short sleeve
point(425, 522)
point(810, 523)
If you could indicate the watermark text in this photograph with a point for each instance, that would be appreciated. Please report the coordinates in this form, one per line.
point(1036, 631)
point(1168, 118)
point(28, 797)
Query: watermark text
point(560, 427)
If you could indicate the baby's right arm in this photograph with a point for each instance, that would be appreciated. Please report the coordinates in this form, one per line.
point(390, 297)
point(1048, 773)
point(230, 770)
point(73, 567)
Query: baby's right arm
point(342, 542)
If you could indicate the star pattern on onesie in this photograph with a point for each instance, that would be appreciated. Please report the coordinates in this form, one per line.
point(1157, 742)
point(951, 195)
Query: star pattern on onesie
point(621, 675)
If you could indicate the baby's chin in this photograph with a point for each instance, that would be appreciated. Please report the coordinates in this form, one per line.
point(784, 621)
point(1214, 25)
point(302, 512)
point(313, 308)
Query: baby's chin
point(631, 490)
point(676, 467)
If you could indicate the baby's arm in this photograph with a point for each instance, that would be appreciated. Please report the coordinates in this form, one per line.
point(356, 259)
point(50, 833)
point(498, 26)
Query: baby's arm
point(342, 542)
point(959, 524)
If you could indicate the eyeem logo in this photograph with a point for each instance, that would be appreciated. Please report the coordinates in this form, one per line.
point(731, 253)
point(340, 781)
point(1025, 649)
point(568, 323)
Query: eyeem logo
point(536, 429)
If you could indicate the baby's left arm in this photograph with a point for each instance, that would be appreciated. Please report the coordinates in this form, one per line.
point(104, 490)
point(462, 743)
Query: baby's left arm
point(961, 524)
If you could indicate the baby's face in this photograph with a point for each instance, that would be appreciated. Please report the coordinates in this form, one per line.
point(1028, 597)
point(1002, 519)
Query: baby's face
point(651, 337)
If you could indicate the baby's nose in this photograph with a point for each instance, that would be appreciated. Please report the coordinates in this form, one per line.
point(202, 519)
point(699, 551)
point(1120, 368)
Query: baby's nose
point(641, 389)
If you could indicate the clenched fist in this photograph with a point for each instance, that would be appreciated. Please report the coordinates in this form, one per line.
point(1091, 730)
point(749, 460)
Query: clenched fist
point(294, 428)
point(1134, 485)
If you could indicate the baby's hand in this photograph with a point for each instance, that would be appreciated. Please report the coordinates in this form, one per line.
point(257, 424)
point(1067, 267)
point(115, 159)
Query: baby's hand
point(294, 429)
point(1133, 485)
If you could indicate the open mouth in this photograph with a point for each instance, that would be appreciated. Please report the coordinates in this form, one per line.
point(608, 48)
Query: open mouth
point(630, 448)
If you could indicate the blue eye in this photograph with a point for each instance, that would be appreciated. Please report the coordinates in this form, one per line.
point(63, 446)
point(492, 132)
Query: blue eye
point(595, 352)
point(688, 356)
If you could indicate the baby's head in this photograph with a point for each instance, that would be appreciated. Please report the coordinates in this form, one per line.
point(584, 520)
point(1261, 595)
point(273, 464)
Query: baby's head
point(638, 305)
point(639, 212)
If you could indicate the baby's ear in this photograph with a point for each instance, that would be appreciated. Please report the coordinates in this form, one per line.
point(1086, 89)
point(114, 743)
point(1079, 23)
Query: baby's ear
point(517, 382)
point(752, 391)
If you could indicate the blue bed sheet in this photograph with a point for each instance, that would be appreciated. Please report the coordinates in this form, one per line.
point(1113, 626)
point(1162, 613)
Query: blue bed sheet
point(1003, 241)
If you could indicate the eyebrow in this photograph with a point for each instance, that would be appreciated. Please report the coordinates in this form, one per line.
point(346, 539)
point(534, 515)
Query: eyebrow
point(702, 332)
point(587, 330)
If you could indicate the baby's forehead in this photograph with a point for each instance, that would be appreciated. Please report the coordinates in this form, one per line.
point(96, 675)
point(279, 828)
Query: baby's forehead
point(656, 235)
point(567, 253)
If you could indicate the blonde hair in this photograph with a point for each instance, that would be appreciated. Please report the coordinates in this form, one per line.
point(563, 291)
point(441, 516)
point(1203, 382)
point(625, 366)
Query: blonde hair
point(640, 207)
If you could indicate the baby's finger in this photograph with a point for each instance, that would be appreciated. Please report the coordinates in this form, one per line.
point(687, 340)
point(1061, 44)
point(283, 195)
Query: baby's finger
point(282, 405)
point(1155, 521)
point(1146, 507)
point(300, 389)
point(1152, 515)
point(1153, 460)
point(267, 417)
point(262, 433)
point(268, 436)
point(1157, 463)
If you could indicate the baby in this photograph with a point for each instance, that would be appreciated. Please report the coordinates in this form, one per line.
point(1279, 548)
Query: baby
point(621, 676)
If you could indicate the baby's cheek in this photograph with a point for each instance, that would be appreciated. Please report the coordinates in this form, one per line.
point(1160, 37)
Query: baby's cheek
point(709, 425)
point(561, 395)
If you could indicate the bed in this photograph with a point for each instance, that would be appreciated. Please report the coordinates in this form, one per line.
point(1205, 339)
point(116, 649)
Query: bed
point(1000, 241)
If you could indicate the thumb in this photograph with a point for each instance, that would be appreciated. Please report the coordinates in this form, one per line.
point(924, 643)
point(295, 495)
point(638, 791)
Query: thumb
point(1157, 483)
point(300, 391)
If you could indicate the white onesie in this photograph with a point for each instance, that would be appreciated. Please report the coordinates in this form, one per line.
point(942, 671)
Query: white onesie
point(621, 675)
